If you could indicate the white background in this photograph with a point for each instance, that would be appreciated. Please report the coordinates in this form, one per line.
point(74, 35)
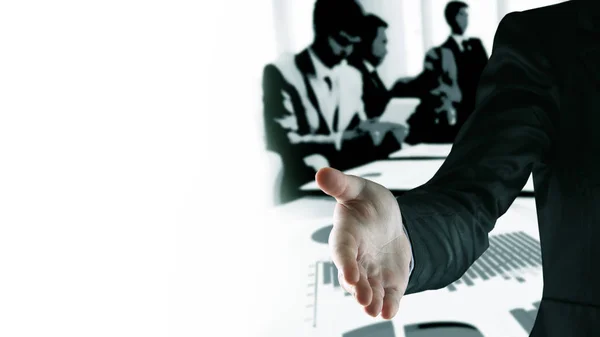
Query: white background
point(130, 172)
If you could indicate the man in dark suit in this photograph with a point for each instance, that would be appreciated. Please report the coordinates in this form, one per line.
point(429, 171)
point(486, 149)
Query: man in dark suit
point(436, 85)
point(470, 57)
point(313, 112)
point(435, 118)
point(458, 61)
point(367, 56)
point(536, 112)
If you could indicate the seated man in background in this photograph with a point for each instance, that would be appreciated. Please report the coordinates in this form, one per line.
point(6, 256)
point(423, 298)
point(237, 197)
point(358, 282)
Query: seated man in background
point(436, 86)
point(367, 56)
point(313, 112)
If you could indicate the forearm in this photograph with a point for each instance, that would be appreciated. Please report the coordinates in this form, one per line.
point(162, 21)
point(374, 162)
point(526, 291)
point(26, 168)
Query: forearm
point(449, 218)
point(443, 245)
point(511, 130)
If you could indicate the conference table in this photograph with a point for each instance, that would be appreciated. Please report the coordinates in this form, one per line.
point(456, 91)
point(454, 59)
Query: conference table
point(497, 297)
point(405, 169)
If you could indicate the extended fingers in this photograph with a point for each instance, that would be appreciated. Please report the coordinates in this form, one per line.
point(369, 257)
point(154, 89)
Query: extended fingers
point(374, 308)
point(361, 290)
point(344, 252)
point(364, 293)
point(391, 303)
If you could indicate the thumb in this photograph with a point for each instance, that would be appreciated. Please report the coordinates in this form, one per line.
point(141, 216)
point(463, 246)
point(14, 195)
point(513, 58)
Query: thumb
point(342, 187)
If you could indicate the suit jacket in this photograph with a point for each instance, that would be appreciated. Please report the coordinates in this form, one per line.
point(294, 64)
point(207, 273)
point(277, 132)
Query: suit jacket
point(375, 94)
point(431, 120)
point(290, 106)
point(469, 64)
point(537, 110)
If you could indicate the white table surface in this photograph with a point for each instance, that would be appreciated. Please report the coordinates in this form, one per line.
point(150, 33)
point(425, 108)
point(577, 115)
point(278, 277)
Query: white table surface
point(399, 110)
point(306, 306)
point(423, 151)
point(400, 175)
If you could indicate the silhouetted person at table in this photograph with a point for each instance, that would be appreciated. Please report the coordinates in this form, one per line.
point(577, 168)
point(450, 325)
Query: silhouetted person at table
point(536, 112)
point(367, 56)
point(313, 111)
point(470, 57)
point(435, 118)
point(458, 60)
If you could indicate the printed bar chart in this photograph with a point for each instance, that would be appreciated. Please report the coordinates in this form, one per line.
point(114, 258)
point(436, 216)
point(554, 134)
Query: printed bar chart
point(508, 253)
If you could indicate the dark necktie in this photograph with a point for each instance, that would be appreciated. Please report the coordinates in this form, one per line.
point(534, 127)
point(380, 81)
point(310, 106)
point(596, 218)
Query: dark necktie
point(334, 126)
point(336, 117)
point(329, 83)
point(377, 80)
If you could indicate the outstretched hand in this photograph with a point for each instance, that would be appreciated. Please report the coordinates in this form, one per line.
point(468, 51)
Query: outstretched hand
point(368, 244)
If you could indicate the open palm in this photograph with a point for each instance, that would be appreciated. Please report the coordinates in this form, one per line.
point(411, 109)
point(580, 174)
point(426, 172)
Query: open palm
point(367, 242)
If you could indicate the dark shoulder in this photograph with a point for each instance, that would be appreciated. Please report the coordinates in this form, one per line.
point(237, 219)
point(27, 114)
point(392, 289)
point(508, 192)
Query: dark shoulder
point(538, 23)
point(473, 41)
point(536, 30)
point(272, 78)
point(357, 64)
point(550, 13)
point(270, 71)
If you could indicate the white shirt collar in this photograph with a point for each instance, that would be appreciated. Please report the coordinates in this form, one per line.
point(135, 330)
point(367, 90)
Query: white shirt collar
point(369, 66)
point(321, 70)
point(459, 39)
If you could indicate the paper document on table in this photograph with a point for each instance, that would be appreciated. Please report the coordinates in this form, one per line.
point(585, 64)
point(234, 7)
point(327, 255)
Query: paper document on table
point(423, 150)
point(399, 109)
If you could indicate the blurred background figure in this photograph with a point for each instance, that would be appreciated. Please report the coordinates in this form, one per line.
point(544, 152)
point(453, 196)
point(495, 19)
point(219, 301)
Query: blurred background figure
point(312, 102)
point(368, 55)
point(456, 65)
point(469, 54)
point(435, 118)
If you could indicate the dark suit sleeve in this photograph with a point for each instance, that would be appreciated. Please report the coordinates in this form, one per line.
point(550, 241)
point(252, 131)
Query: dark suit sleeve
point(448, 219)
point(375, 99)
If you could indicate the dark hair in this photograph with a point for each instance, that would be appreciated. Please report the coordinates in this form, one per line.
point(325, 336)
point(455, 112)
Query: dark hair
point(332, 16)
point(452, 9)
point(371, 23)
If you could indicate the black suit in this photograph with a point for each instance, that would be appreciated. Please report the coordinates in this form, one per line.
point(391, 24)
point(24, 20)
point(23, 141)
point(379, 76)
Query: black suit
point(357, 148)
point(470, 62)
point(376, 96)
point(295, 172)
point(429, 122)
point(537, 109)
